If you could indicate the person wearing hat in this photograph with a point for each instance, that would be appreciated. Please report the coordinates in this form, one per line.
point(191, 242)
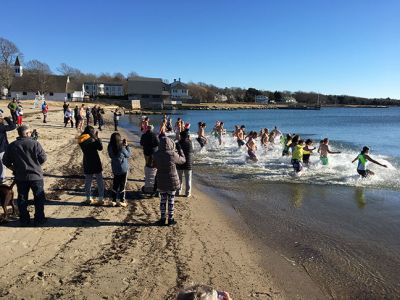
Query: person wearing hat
point(149, 141)
point(25, 157)
point(4, 127)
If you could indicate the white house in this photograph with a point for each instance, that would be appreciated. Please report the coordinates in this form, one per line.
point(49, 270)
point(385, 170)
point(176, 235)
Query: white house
point(179, 92)
point(101, 88)
point(220, 98)
point(261, 99)
point(289, 99)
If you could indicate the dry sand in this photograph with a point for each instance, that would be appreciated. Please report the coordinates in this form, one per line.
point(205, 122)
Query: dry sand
point(88, 252)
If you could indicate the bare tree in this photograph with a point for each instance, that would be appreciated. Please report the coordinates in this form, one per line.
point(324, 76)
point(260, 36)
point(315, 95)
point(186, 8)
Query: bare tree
point(8, 53)
point(132, 74)
point(41, 72)
point(67, 70)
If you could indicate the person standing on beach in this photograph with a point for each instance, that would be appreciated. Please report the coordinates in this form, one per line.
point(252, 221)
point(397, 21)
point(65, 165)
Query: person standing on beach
point(20, 113)
point(324, 151)
point(201, 135)
point(65, 106)
point(119, 153)
point(76, 116)
point(165, 160)
point(100, 119)
point(9, 126)
point(117, 115)
point(12, 106)
point(88, 114)
point(90, 144)
point(187, 147)
point(363, 159)
point(68, 117)
point(149, 141)
point(94, 114)
point(25, 157)
point(82, 116)
point(45, 109)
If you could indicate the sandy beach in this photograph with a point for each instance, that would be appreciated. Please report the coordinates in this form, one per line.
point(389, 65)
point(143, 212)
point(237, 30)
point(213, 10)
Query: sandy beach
point(88, 252)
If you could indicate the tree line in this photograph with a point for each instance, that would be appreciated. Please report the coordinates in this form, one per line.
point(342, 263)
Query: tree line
point(199, 91)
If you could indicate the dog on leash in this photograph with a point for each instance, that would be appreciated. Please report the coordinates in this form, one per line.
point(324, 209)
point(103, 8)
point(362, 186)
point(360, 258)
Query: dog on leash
point(7, 198)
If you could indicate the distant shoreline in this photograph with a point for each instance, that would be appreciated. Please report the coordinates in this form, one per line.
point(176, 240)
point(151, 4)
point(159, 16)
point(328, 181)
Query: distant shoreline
point(254, 106)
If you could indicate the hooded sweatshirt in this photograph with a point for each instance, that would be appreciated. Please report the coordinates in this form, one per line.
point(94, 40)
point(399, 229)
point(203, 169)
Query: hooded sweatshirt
point(165, 160)
point(91, 159)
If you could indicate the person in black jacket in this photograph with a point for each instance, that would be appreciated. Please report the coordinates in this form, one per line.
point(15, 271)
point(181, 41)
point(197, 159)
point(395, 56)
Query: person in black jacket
point(25, 157)
point(90, 145)
point(149, 141)
point(100, 113)
point(186, 145)
point(4, 142)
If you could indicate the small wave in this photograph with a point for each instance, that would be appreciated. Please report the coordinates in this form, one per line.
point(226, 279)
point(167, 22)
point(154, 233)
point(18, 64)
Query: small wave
point(272, 167)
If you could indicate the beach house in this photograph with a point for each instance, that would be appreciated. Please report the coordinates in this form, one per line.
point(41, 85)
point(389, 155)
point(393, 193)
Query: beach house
point(179, 93)
point(151, 92)
point(103, 89)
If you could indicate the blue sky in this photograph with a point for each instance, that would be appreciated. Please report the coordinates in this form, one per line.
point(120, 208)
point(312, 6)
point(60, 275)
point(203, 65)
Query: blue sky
point(334, 47)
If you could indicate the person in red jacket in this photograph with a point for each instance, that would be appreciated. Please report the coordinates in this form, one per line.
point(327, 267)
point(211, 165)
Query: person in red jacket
point(45, 109)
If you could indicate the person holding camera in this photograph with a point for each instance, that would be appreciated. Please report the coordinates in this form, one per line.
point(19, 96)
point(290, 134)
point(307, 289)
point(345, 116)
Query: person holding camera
point(119, 153)
point(90, 144)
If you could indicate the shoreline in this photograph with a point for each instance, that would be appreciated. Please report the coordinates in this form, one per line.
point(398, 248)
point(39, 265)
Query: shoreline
point(89, 251)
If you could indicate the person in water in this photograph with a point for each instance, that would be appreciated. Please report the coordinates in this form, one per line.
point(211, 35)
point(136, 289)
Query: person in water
point(241, 136)
point(287, 142)
point(307, 150)
point(251, 146)
point(363, 159)
point(297, 156)
point(201, 136)
point(324, 151)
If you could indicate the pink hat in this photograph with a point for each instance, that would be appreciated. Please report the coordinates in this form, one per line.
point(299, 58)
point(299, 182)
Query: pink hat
point(187, 125)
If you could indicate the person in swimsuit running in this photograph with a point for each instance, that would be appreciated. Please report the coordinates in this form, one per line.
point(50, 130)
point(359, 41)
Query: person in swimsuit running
point(265, 138)
point(201, 137)
point(363, 159)
point(241, 136)
point(324, 151)
point(307, 150)
point(251, 146)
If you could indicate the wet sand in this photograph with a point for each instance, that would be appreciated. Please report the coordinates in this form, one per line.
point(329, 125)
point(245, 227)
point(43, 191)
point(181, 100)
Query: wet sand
point(344, 238)
point(89, 252)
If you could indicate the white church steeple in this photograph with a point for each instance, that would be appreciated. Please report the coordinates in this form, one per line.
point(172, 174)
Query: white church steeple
point(18, 68)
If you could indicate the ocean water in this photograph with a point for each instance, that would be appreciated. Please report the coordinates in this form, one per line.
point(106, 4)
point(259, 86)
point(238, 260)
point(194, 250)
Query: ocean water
point(349, 129)
point(341, 229)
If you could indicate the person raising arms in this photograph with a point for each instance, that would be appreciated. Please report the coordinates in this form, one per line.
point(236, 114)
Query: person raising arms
point(363, 159)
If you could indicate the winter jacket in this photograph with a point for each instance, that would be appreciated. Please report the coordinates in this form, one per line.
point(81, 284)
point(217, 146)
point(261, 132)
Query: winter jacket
point(149, 141)
point(3, 133)
point(165, 160)
point(91, 159)
point(25, 157)
point(187, 147)
point(119, 162)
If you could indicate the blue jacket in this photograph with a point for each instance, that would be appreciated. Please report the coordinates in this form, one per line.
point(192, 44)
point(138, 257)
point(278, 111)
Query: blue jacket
point(119, 162)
